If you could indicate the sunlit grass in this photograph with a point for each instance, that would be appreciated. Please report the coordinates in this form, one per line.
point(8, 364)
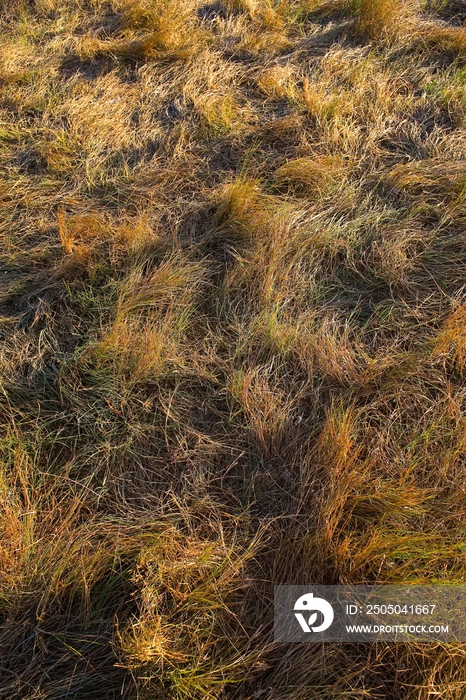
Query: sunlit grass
point(233, 339)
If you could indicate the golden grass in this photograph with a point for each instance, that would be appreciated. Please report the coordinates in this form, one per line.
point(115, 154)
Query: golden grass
point(312, 175)
point(233, 340)
point(451, 341)
point(378, 18)
point(90, 239)
point(446, 39)
point(279, 82)
point(165, 25)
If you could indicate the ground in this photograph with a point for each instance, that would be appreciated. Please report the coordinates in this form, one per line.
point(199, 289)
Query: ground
point(233, 320)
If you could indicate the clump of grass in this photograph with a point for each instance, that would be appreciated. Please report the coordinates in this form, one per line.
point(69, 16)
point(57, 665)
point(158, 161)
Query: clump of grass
point(156, 15)
point(268, 14)
point(333, 349)
point(241, 5)
point(397, 252)
point(142, 48)
point(312, 176)
point(264, 407)
point(451, 341)
point(58, 562)
point(136, 352)
point(381, 18)
point(151, 318)
point(369, 19)
point(88, 238)
point(435, 179)
point(264, 26)
point(243, 211)
point(279, 82)
point(449, 89)
point(149, 28)
point(445, 39)
point(182, 584)
point(62, 154)
point(319, 101)
point(218, 113)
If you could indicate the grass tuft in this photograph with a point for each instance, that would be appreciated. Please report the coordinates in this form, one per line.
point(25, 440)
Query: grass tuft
point(378, 18)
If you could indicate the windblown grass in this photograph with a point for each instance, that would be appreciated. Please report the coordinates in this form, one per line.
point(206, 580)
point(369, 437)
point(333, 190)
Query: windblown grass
point(233, 340)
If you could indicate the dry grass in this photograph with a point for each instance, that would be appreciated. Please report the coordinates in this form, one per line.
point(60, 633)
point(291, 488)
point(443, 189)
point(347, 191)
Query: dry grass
point(233, 340)
point(379, 18)
point(147, 29)
point(310, 175)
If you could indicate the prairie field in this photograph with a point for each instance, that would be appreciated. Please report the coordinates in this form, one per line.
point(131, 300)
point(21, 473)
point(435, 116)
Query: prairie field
point(233, 325)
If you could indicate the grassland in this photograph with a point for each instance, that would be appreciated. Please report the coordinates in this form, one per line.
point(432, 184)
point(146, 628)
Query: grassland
point(233, 320)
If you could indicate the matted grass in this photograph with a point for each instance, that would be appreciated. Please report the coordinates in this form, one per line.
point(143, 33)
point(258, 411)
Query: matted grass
point(233, 340)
